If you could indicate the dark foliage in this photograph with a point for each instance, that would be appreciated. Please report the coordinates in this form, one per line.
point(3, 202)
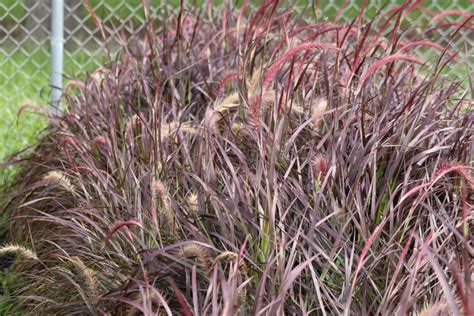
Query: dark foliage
point(252, 163)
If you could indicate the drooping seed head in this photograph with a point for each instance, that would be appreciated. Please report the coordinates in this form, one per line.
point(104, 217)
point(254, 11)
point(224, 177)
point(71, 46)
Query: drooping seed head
point(57, 177)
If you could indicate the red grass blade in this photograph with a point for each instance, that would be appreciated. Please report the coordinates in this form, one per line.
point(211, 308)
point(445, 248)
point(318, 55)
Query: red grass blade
point(118, 225)
point(442, 49)
point(459, 169)
point(377, 65)
point(185, 310)
point(362, 255)
point(96, 19)
point(272, 71)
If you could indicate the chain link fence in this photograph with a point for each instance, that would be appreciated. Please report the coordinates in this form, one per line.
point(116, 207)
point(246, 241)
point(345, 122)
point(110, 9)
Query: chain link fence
point(24, 44)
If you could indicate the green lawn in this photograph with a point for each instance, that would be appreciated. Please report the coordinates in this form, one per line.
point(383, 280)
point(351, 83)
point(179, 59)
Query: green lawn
point(25, 78)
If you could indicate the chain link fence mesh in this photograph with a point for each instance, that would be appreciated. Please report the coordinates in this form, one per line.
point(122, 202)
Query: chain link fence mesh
point(24, 45)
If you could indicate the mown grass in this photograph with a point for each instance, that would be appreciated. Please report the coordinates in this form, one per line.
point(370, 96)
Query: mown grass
point(25, 77)
point(22, 80)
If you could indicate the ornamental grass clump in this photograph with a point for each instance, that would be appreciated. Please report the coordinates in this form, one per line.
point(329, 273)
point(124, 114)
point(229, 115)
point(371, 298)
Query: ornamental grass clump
point(248, 162)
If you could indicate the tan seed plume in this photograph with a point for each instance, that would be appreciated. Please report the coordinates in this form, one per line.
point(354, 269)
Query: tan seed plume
point(73, 84)
point(435, 309)
point(192, 202)
point(198, 252)
point(34, 107)
point(166, 210)
point(317, 113)
point(59, 178)
point(89, 277)
point(19, 250)
point(167, 129)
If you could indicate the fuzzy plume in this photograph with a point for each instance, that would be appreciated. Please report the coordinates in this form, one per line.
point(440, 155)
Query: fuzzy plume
point(19, 250)
point(57, 177)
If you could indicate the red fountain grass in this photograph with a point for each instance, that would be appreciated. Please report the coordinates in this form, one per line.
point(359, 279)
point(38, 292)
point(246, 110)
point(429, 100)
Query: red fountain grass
point(154, 193)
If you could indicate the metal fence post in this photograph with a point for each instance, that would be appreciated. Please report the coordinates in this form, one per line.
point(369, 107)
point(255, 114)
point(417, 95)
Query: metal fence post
point(57, 47)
